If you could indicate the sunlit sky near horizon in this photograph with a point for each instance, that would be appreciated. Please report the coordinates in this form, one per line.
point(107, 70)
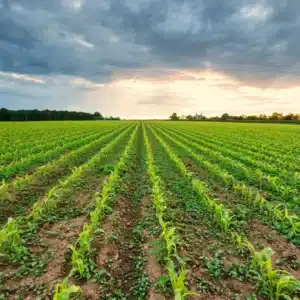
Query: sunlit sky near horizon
point(149, 58)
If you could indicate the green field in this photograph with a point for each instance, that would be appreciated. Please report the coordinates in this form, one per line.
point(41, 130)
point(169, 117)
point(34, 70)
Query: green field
point(149, 210)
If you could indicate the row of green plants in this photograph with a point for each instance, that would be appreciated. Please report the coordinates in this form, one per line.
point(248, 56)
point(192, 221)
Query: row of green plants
point(277, 284)
point(21, 139)
point(31, 161)
point(41, 209)
point(175, 265)
point(270, 139)
point(252, 148)
point(285, 173)
point(42, 144)
point(82, 263)
point(277, 214)
point(276, 189)
point(80, 148)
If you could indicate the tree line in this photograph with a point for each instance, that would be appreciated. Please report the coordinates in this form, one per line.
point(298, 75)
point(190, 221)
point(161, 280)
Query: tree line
point(227, 117)
point(49, 115)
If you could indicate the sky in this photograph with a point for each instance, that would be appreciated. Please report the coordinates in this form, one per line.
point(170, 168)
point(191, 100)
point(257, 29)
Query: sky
point(150, 58)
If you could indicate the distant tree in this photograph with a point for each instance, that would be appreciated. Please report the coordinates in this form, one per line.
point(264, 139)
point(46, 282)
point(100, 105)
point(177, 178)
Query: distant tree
point(262, 117)
point(291, 116)
point(189, 117)
point(276, 116)
point(98, 116)
point(225, 116)
point(4, 114)
point(39, 115)
point(251, 117)
point(174, 117)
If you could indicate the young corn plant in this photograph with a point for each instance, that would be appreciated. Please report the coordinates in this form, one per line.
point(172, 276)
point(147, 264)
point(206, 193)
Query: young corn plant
point(82, 264)
point(95, 217)
point(50, 203)
point(238, 240)
point(280, 213)
point(108, 188)
point(251, 196)
point(178, 282)
point(273, 280)
point(169, 235)
point(10, 241)
point(177, 278)
point(35, 213)
point(64, 291)
point(227, 220)
point(286, 285)
point(222, 216)
point(295, 226)
point(277, 284)
point(85, 239)
point(3, 191)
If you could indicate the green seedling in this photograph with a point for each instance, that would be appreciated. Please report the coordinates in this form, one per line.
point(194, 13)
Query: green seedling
point(10, 240)
point(215, 265)
point(64, 291)
point(276, 284)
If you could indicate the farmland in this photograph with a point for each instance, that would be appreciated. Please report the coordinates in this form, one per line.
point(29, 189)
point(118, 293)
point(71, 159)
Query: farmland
point(149, 210)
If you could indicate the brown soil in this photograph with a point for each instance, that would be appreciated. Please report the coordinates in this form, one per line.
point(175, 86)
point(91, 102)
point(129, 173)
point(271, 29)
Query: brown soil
point(195, 238)
point(27, 195)
point(260, 234)
point(152, 267)
point(216, 191)
point(198, 242)
point(193, 167)
point(91, 291)
point(81, 199)
point(40, 184)
point(123, 264)
point(103, 246)
point(56, 238)
point(117, 254)
point(257, 231)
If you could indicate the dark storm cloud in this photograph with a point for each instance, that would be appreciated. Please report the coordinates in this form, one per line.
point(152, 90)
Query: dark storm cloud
point(252, 40)
point(18, 93)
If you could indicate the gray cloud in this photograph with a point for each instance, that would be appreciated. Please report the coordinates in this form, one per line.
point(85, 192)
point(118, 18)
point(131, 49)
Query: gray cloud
point(16, 93)
point(252, 40)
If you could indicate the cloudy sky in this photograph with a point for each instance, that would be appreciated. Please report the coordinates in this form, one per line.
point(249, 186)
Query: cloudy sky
point(148, 58)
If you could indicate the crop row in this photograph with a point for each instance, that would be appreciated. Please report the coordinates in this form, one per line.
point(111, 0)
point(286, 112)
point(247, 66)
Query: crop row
point(26, 140)
point(174, 263)
point(34, 160)
point(10, 242)
point(269, 145)
point(23, 191)
point(279, 283)
point(275, 188)
point(82, 263)
point(43, 144)
point(283, 220)
point(273, 164)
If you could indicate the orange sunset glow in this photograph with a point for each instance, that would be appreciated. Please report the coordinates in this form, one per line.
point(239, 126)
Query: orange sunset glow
point(207, 92)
